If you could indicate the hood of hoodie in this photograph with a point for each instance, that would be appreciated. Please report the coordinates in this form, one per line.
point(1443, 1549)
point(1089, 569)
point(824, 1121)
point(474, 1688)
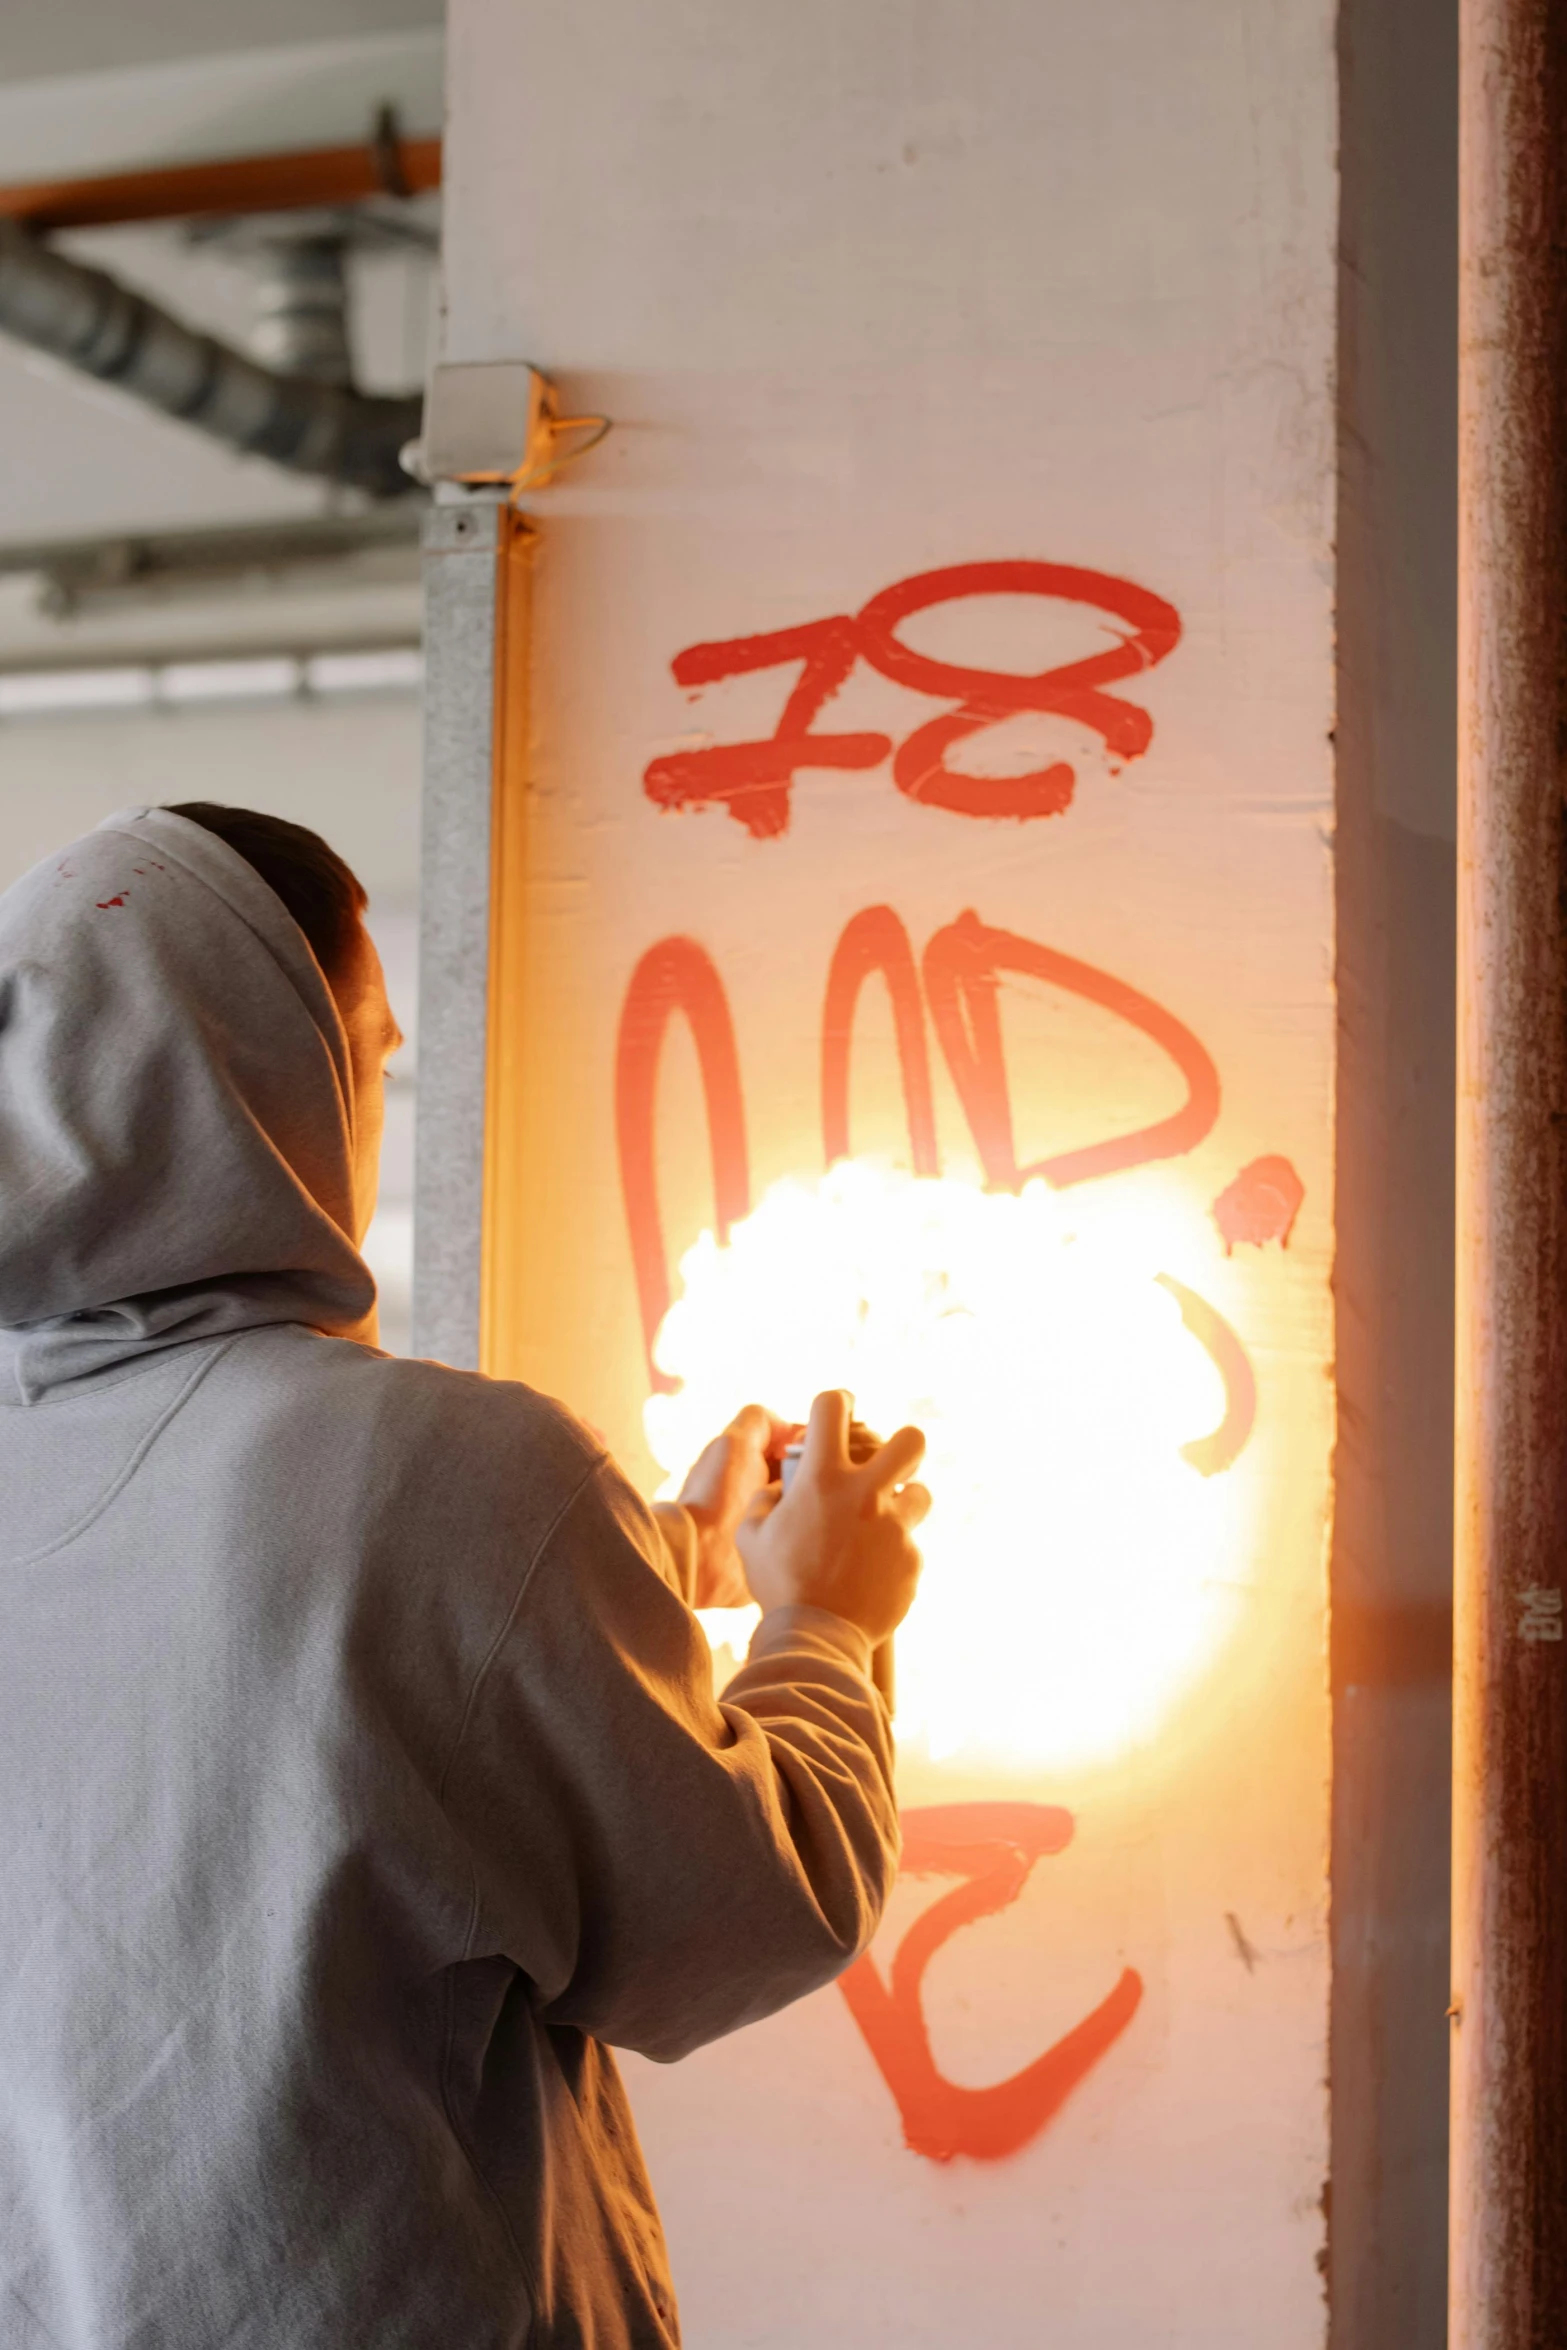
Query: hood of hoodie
point(176, 1110)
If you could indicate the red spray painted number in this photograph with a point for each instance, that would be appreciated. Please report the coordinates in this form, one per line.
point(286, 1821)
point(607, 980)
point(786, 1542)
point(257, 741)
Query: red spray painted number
point(753, 779)
point(993, 1848)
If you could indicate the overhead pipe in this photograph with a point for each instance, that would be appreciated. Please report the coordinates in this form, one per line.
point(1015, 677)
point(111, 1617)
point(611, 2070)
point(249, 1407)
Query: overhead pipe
point(88, 319)
point(1508, 2238)
point(387, 164)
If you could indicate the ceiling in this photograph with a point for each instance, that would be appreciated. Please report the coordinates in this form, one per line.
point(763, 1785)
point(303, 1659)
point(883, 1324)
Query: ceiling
point(43, 38)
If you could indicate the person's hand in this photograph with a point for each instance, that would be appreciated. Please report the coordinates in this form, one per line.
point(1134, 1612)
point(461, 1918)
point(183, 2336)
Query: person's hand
point(842, 1536)
point(716, 1496)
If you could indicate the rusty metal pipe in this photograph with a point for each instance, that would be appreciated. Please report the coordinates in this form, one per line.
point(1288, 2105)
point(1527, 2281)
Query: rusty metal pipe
point(387, 165)
point(1508, 2286)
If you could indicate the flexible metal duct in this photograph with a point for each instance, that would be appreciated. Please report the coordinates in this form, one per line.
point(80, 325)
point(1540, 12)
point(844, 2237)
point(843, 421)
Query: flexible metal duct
point(302, 301)
point(91, 321)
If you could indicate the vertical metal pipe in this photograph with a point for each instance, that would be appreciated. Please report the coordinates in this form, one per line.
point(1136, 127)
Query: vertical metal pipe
point(1509, 2176)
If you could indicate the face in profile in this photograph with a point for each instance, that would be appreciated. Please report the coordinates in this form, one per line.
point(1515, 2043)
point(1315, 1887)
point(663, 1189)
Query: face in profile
point(359, 987)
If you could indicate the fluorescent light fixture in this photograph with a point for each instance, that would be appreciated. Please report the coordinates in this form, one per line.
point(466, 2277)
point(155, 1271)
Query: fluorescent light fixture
point(399, 670)
point(44, 692)
point(185, 685)
point(229, 681)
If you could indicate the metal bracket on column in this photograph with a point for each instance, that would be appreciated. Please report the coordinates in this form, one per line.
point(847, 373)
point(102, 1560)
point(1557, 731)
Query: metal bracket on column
point(497, 423)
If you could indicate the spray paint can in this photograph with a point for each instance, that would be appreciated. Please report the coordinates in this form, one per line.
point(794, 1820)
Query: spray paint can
point(862, 1444)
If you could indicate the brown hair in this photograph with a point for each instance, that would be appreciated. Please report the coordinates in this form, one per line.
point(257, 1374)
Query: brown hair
point(325, 896)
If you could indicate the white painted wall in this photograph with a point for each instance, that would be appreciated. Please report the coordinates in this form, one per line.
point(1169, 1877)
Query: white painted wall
point(870, 291)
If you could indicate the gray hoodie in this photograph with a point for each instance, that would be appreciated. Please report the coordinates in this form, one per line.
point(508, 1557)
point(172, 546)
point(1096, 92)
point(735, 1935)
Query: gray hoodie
point(360, 1775)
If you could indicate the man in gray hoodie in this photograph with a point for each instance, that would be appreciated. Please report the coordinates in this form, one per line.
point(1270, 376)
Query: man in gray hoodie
point(360, 1771)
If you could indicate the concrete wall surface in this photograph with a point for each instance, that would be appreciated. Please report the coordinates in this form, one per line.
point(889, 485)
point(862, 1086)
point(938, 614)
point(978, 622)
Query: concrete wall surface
point(951, 609)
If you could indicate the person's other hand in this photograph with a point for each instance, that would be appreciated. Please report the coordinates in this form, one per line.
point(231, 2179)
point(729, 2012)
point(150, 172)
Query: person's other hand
point(716, 1496)
point(842, 1536)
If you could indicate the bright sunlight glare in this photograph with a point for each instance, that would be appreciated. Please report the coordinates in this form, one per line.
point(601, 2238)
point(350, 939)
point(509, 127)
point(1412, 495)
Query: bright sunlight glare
point(1080, 1573)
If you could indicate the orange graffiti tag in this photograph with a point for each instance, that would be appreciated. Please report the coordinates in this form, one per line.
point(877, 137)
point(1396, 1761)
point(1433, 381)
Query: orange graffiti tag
point(753, 780)
point(993, 1848)
point(677, 975)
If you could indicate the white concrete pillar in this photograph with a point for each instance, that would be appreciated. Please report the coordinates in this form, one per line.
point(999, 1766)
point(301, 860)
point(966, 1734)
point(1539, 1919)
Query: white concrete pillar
point(1034, 307)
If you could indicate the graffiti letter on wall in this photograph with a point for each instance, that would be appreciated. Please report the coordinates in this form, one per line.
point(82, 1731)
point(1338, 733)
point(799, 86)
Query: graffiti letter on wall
point(961, 967)
point(1222, 1445)
point(877, 941)
point(677, 975)
point(994, 1847)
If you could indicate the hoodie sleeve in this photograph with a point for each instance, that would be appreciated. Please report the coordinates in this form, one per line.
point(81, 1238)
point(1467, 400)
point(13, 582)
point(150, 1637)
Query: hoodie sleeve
point(665, 1867)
